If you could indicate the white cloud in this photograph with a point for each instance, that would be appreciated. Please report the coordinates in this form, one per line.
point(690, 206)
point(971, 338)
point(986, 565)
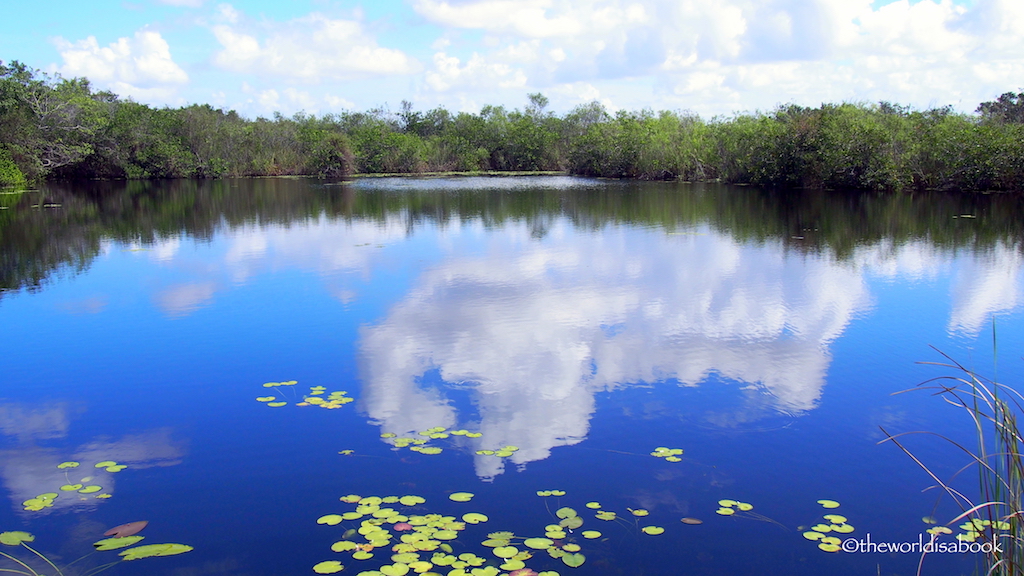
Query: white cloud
point(477, 72)
point(726, 55)
point(311, 48)
point(140, 66)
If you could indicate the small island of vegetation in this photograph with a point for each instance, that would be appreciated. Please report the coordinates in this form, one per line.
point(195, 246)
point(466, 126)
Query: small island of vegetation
point(54, 128)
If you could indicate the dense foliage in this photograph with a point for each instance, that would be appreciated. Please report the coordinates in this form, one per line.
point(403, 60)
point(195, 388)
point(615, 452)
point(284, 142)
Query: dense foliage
point(57, 128)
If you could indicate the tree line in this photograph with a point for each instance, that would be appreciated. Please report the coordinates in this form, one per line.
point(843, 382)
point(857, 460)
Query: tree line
point(54, 128)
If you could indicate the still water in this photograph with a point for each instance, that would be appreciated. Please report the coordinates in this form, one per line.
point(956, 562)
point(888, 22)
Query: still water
point(577, 324)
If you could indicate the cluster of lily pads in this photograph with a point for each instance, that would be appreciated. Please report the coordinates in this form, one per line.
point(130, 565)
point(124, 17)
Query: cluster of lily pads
point(333, 401)
point(46, 499)
point(124, 536)
point(601, 514)
point(435, 433)
point(729, 507)
point(975, 529)
point(669, 454)
point(418, 542)
point(836, 523)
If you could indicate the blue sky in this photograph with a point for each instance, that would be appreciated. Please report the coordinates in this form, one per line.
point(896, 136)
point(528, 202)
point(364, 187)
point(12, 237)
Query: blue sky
point(712, 57)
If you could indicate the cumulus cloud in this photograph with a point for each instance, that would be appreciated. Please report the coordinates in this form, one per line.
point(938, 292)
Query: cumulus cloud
point(310, 48)
point(140, 66)
point(725, 54)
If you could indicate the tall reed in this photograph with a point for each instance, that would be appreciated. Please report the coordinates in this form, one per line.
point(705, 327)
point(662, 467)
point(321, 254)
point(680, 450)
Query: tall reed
point(994, 410)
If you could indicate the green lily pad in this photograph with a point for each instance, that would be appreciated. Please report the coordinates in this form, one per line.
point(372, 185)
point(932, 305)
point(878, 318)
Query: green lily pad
point(506, 551)
point(591, 534)
point(538, 543)
point(821, 528)
point(105, 463)
point(328, 567)
point(394, 569)
point(362, 555)
point(276, 404)
point(266, 398)
point(605, 515)
point(473, 434)
point(835, 518)
point(474, 518)
point(503, 453)
point(15, 538)
point(574, 560)
point(47, 496)
point(513, 564)
point(652, 530)
point(744, 506)
point(71, 487)
point(639, 512)
point(593, 505)
point(90, 489)
point(411, 500)
point(430, 450)
point(558, 492)
point(330, 519)
point(565, 512)
point(461, 496)
point(446, 535)
point(829, 547)
point(571, 523)
point(116, 468)
point(812, 535)
point(116, 543)
point(63, 465)
point(154, 550)
point(828, 503)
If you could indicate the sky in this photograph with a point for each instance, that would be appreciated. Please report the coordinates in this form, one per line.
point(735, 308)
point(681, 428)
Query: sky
point(710, 57)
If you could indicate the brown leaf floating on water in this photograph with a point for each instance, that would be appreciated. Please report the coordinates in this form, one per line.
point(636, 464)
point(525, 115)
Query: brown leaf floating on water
point(128, 529)
point(692, 521)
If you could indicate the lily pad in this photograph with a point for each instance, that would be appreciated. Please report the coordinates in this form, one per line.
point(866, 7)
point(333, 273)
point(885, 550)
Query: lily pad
point(513, 564)
point(15, 538)
point(115, 468)
point(572, 522)
point(538, 543)
point(330, 519)
point(105, 463)
point(328, 567)
point(593, 505)
point(605, 515)
point(154, 550)
point(276, 404)
point(63, 465)
point(90, 489)
point(474, 518)
point(565, 512)
point(725, 511)
point(362, 555)
point(829, 547)
point(71, 487)
point(652, 530)
point(558, 492)
point(639, 512)
point(461, 496)
point(591, 534)
point(116, 543)
point(574, 560)
point(828, 503)
point(506, 551)
point(744, 506)
point(127, 529)
point(266, 398)
point(811, 535)
point(430, 450)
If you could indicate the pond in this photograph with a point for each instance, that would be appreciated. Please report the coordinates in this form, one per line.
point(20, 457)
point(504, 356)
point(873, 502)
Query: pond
point(242, 355)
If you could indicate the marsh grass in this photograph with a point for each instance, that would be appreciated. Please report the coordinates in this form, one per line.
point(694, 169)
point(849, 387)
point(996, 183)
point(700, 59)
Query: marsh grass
point(993, 409)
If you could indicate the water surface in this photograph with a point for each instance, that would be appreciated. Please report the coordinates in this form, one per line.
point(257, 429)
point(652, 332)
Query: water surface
point(585, 322)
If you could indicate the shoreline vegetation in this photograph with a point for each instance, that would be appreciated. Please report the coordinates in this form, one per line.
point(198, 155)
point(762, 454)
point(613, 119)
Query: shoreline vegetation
point(53, 128)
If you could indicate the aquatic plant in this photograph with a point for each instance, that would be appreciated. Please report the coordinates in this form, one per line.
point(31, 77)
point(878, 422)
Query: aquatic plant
point(123, 537)
point(334, 400)
point(993, 410)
